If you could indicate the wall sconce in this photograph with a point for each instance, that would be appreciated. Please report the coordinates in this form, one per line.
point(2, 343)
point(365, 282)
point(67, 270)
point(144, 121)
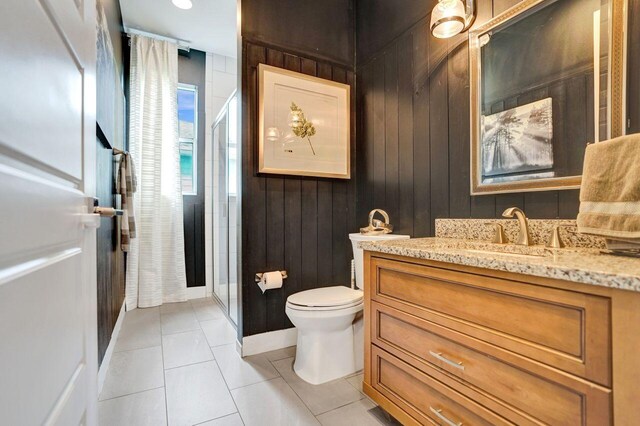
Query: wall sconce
point(451, 17)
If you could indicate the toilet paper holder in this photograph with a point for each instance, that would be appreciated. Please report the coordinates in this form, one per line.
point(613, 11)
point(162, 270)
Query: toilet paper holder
point(260, 274)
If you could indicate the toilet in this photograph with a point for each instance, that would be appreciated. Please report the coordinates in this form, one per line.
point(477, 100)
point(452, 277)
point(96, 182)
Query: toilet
point(330, 341)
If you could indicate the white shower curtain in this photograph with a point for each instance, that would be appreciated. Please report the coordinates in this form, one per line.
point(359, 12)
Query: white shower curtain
point(155, 262)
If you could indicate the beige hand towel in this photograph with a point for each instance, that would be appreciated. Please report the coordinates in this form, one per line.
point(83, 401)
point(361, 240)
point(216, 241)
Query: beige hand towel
point(126, 186)
point(610, 191)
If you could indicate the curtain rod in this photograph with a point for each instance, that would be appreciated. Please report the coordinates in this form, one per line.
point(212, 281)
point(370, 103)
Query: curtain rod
point(182, 44)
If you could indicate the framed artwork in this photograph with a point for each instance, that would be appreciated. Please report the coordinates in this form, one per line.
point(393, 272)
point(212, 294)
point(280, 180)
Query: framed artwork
point(304, 125)
point(518, 143)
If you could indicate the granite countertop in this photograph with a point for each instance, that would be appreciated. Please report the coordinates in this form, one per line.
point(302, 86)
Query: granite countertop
point(582, 265)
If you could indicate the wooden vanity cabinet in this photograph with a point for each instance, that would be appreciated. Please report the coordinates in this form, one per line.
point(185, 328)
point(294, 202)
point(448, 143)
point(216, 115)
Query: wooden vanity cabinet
point(448, 344)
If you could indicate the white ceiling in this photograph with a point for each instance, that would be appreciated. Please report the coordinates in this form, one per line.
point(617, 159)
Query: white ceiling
point(210, 25)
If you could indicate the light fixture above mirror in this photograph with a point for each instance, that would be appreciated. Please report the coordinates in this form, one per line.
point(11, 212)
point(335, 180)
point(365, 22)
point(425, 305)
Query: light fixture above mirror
point(451, 17)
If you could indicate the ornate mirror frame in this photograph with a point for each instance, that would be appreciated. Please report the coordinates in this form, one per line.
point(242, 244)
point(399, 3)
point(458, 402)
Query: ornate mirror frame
point(615, 99)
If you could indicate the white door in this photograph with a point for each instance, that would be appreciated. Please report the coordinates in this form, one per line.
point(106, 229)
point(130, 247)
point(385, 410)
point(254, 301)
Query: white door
point(48, 360)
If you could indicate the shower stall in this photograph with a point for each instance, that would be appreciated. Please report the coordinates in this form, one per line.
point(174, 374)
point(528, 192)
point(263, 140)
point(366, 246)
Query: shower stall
point(226, 207)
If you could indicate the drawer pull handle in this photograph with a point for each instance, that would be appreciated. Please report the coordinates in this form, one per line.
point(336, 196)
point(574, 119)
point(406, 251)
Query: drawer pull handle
point(438, 355)
point(438, 414)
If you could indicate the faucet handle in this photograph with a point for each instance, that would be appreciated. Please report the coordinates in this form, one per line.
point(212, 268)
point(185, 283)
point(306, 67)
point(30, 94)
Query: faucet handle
point(499, 237)
point(555, 241)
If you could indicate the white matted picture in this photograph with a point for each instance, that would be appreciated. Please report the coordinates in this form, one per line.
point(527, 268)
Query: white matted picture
point(304, 126)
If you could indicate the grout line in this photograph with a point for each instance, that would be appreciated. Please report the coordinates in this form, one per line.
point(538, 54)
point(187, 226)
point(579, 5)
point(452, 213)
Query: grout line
point(220, 418)
point(129, 394)
point(256, 383)
point(291, 387)
point(341, 406)
point(228, 390)
point(139, 349)
point(164, 376)
point(190, 364)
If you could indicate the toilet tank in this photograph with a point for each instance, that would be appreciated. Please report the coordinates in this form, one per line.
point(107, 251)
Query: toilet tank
point(358, 253)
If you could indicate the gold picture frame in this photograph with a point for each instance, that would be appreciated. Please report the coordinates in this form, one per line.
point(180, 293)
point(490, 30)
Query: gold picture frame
point(304, 126)
point(615, 99)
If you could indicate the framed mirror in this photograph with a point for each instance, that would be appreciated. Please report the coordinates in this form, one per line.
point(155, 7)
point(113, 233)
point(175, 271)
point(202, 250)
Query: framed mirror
point(546, 80)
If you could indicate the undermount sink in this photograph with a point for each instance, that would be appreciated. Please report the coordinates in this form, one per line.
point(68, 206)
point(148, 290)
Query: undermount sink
point(508, 254)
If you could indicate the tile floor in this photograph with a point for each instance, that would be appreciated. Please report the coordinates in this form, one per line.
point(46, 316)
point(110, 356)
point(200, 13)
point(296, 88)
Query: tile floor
point(178, 365)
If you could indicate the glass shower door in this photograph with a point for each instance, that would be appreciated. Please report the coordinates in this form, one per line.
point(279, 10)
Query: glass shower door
point(232, 203)
point(220, 212)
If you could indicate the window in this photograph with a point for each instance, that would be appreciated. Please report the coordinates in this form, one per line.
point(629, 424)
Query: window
point(188, 134)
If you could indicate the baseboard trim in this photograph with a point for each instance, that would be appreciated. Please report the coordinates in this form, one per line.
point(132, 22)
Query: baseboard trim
point(102, 371)
point(196, 292)
point(270, 341)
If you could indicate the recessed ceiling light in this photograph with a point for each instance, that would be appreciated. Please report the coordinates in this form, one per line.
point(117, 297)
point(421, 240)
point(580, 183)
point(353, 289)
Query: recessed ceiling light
point(182, 4)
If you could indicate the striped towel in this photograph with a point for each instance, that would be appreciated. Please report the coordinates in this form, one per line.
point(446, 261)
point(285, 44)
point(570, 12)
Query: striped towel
point(610, 191)
point(126, 186)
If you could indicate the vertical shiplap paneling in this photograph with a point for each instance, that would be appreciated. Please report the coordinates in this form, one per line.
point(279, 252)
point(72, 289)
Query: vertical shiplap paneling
point(289, 222)
point(421, 146)
point(254, 198)
point(439, 150)
point(439, 128)
point(365, 154)
point(459, 174)
point(325, 213)
point(404, 220)
point(391, 115)
point(352, 185)
point(379, 172)
point(341, 214)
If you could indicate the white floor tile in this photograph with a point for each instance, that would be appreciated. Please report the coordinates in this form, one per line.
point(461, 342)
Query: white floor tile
point(319, 398)
point(176, 307)
point(179, 321)
point(356, 413)
point(185, 348)
point(219, 332)
point(140, 329)
point(197, 393)
point(133, 371)
point(206, 309)
point(356, 381)
point(281, 353)
point(232, 420)
point(239, 371)
point(140, 409)
point(271, 403)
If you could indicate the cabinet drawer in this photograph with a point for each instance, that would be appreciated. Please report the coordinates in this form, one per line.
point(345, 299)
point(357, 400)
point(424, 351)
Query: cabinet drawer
point(565, 329)
point(498, 378)
point(424, 398)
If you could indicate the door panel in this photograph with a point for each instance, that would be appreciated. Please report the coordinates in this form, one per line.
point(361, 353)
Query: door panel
point(44, 83)
point(48, 359)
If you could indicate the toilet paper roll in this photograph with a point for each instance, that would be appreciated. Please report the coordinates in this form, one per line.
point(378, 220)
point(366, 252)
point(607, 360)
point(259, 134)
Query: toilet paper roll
point(270, 280)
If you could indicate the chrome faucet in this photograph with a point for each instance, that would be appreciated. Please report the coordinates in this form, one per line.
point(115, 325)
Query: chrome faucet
point(524, 239)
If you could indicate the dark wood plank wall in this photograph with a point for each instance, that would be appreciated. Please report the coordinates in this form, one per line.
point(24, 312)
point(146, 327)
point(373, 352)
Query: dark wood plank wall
point(413, 115)
point(192, 70)
point(323, 29)
point(292, 223)
point(110, 258)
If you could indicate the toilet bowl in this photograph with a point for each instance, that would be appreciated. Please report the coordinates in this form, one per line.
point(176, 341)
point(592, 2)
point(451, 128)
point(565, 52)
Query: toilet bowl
point(327, 346)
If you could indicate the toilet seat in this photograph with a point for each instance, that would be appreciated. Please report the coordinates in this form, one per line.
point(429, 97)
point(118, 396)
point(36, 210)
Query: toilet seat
point(325, 299)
